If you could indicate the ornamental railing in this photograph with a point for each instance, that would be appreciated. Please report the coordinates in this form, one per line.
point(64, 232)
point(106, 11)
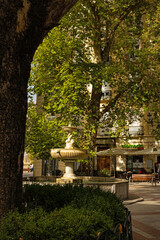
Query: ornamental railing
point(135, 130)
point(122, 231)
point(131, 131)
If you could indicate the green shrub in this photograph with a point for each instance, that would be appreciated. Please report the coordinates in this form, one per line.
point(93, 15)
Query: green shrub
point(49, 197)
point(62, 213)
point(67, 223)
point(97, 200)
point(103, 172)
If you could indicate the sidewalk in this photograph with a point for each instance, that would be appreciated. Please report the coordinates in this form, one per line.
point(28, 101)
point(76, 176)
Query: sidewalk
point(144, 204)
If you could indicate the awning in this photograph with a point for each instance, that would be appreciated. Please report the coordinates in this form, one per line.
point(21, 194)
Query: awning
point(116, 151)
point(112, 151)
point(148, 151)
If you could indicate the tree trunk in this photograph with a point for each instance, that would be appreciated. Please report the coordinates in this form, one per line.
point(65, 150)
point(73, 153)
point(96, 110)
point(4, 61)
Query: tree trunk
point(23, 26)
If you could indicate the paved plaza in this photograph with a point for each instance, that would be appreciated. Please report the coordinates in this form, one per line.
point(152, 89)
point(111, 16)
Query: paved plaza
point(144, 205)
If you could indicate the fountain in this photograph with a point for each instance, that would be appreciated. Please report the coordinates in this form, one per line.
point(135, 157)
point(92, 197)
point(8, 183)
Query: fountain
point(69, 155)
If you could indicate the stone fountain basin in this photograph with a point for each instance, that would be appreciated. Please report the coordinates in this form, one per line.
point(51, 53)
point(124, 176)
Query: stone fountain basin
point(64, 154)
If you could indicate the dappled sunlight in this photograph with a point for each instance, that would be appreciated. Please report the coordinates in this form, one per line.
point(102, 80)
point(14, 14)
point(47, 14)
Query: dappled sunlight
point(120, 163)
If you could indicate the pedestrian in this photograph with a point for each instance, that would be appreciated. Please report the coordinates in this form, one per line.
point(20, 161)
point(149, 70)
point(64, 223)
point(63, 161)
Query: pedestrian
point(31, 167)
point(158, 171)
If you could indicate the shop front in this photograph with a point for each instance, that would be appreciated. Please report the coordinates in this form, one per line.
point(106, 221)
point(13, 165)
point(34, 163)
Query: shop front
point(129, 161)
point(103, 162)
point(134, 163)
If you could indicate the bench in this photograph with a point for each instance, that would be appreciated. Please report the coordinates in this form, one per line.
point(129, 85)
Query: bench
point(143, 177)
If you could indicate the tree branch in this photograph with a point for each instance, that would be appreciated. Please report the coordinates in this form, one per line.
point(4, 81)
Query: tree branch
point(122, 17)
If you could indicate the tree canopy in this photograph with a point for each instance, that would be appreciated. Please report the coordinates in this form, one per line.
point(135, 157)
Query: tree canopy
point(101, 41)
point(42, 133)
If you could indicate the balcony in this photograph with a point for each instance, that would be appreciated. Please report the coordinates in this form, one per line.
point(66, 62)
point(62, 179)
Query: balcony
point(105, 131)
point(106, 95)
point(135, 130)
point(132, 131)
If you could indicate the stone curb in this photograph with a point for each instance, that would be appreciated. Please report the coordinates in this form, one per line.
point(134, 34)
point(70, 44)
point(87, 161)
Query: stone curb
point(128, 202)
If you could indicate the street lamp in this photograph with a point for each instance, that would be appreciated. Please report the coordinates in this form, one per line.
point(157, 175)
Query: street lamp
point(150, 118)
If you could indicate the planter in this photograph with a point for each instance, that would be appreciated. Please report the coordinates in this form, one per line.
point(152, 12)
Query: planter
point(140, 148)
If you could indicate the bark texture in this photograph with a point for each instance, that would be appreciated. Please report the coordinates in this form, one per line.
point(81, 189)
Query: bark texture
point(23, 25)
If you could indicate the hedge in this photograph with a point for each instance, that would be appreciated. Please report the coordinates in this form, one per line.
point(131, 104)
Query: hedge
point(62, 213)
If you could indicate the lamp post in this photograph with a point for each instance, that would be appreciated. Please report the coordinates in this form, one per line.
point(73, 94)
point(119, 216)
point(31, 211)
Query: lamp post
point(150, 118)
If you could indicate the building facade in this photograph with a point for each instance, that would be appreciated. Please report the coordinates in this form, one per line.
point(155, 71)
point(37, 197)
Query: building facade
point(139, 135)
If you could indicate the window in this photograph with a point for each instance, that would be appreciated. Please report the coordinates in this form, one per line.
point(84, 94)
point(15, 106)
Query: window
point(106, 95)
point(134, 163)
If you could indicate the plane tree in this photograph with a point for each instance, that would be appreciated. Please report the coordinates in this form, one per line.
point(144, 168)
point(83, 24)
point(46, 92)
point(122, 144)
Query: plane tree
point(23, 25)
point(105, 41)
point(43, 132)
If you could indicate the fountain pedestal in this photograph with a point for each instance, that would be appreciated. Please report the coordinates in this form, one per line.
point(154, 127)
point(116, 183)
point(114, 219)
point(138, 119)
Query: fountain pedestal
point(69, 165)
point(69, 176)
point(69, 155)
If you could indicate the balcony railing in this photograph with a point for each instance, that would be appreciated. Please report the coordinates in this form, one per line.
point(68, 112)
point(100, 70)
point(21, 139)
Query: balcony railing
point(105, 131)
point(106, 95)
point(132, 131)
point(135, 130)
